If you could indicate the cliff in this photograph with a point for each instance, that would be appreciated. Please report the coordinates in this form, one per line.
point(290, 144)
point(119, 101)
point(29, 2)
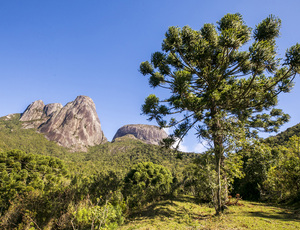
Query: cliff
point(149, 134)
point(75, 125)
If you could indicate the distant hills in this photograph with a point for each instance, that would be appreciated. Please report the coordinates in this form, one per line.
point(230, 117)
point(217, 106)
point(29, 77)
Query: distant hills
point(42, 129)
point(283, 137)
point(77, 126)
point(119, 155)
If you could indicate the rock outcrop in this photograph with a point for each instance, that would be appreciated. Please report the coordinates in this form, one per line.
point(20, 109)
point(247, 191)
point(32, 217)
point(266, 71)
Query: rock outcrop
point(76, 125)
point(149, 134)
point(34, 111)
point(37, 113)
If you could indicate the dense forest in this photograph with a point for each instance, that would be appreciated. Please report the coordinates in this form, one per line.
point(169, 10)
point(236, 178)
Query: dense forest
point(45, 186)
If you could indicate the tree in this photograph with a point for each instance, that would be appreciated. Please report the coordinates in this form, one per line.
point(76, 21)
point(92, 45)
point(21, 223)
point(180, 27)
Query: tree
point(146, 182)
point(22, 173)
point(257, 159)
point(283, 178)
point(218, 84)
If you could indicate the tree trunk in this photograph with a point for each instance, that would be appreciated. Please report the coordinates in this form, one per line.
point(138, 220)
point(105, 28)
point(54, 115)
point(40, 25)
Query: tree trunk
point(225, 192)
point(218, 150)
point(219, 188)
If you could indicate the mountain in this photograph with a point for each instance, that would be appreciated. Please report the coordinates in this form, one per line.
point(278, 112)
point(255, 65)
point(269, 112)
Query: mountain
point(119, 155)
point(149, 134)
point(75, 125)
point(283, 137)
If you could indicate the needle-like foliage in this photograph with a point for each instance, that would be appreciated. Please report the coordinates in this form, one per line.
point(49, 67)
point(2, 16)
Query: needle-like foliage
point(219, 83)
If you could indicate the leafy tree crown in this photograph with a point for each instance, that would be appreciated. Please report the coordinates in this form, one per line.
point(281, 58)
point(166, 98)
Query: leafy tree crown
point(216, 79)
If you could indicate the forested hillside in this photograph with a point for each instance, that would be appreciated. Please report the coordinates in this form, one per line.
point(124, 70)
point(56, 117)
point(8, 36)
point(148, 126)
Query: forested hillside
point(119, 155)
point(283, 137)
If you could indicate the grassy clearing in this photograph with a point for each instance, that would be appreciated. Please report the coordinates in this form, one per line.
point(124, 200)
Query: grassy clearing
point(183, 213)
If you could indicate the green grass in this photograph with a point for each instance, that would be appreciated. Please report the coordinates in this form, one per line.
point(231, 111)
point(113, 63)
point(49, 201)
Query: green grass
point(183, 213)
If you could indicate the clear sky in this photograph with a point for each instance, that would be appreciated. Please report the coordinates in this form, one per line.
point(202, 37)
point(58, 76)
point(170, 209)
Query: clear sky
point(55, 50)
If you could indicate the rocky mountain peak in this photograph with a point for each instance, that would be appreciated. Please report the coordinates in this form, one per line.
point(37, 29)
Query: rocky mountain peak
point(34, 111)
point(149, 134)
point(52, 108)
point(75, 125)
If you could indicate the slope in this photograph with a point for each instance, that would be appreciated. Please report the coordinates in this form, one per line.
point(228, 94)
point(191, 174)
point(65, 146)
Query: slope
point(117, 156)
point(283, 137)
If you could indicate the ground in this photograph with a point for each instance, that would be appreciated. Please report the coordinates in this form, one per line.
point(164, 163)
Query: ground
point(184, 213)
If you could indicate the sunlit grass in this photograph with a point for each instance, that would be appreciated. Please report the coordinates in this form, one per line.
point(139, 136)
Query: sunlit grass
point(183, 213)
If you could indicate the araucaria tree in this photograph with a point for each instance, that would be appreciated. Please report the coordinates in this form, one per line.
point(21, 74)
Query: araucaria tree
point(218, 84)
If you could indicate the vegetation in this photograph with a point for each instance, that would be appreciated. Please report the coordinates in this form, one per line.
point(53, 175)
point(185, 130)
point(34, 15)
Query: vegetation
point(146, 182)
point(271, 172)
point(21, 173)
point(98, 189)
point(44, 185)
point(128, 184)
point(12, 136)
point(183, 213)
point(283, 137)
point(223, 91)
point(119, 156)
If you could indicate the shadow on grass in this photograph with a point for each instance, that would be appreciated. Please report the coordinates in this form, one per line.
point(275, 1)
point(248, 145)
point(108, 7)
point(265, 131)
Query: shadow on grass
point(284, 215)
point(161, 208)
point(169, 209)
point(283, 212)
point(184, 199)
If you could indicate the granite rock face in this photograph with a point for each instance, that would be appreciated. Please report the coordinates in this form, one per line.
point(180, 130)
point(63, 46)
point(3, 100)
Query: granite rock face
point(76, 125)
point(149, 134)
point(34, 111)
point(52, 108)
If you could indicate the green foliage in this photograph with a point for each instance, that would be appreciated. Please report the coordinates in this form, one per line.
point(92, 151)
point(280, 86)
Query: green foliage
point(110, 215)
point(271, 171)
point(257, 158)
point(146, 182)
point(21, 173)
point(199, 179)
point(268, 29)
point(283, 137)
point(118, 156)
point(283, 178)
point(121, 155)
point(200, 176)
point(12, 136)
point(217, 88)
point(97, 185)
point(93, 176)
point(87, 200)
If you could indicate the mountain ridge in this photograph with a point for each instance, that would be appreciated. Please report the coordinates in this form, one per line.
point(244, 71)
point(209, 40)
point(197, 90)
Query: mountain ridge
point(75, 125)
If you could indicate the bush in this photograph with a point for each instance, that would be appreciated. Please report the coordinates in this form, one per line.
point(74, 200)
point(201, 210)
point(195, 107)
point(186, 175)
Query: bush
point(199, 180)
point(90, 215)
point(283, 179)
point(146, 182)
point(257, 158)
point(21, 173)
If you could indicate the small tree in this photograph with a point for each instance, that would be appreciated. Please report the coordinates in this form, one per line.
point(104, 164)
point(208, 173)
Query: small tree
point(146, 182)
point(217, 87)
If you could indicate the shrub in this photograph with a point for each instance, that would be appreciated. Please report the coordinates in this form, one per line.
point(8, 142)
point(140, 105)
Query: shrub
point(90, 215)
point(21, 173)
point(146, 182)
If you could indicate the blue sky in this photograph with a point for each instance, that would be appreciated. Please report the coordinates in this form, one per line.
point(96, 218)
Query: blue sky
point(56, 50)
